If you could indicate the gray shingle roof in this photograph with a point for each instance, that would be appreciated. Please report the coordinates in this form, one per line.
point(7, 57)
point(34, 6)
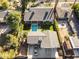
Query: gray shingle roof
point(49, 39)
point(37, 14)
point(33, 37)
point(60, 12)
point(59, 0)
point(2, 15)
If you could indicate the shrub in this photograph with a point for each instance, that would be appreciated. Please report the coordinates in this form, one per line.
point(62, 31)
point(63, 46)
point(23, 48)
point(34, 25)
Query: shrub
point(56, 25)
point(46, 25)
point(51, 28)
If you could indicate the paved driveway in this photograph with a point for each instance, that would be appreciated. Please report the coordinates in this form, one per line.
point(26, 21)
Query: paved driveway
point(75, 24)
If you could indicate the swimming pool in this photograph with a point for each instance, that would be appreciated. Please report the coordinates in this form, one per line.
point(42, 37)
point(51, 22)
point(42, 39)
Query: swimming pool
point(34, 27)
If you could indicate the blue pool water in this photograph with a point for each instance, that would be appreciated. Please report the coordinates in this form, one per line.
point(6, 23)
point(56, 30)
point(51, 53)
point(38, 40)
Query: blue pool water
point(34, 27)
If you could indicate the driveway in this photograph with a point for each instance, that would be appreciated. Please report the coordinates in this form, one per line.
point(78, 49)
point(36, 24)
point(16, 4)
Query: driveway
point(75, 25)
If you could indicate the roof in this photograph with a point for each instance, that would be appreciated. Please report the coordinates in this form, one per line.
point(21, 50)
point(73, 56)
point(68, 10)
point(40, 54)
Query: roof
point(63, 12)
point(33, 37)
point(2, 15)
point(49, 39)
point(36, 34)
point(37, 14)
point(59, 0)
point(75, 42)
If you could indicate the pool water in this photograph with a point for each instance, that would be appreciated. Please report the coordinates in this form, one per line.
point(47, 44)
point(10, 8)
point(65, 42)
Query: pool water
point(34, 27)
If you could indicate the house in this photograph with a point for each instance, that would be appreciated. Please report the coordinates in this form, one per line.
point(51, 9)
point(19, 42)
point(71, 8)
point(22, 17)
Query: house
point(38, 16)
point(42, 45)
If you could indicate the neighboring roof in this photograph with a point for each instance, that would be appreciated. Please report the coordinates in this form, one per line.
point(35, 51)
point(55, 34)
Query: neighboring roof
point(63, 12)
point(75, 42)
point(37, 14)
point(59, 0)
point(48, 39)
point(2, 15)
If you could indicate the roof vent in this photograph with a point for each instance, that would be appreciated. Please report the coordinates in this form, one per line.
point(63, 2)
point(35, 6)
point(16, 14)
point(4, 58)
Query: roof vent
point(39, 43)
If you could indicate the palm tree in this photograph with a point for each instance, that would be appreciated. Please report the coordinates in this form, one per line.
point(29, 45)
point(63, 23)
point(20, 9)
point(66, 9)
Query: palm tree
point(55, 11)
point(24, 4)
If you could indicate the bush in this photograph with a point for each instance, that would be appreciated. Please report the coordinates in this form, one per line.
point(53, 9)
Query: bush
point(56, 25)
point(46, 25)
point(7, 54)
point(51, 28)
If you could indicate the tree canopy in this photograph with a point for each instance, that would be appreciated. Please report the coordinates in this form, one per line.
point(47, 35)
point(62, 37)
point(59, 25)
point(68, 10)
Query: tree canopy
point(4, 4)
point(13, 20)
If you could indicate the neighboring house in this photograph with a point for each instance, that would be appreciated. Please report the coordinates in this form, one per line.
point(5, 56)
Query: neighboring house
point(38, 15)
point(42, 45)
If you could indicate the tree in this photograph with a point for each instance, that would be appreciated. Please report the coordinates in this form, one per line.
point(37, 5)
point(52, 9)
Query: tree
point(13, 40)
point(76, 10)
point(8, 54)
point(24, 4)
point(5, 5)
point(55, 12)
point(14, 20)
